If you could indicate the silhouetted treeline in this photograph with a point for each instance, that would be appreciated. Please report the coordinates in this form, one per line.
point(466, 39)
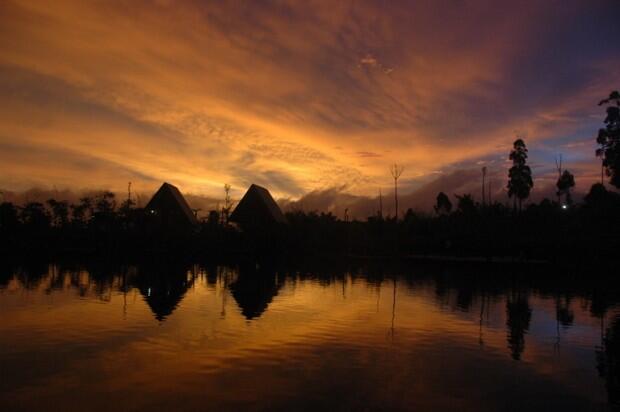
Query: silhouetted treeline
point(545, 230)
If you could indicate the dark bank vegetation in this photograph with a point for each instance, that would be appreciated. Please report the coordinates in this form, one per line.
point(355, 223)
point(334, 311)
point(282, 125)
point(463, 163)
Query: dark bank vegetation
point(546, 230)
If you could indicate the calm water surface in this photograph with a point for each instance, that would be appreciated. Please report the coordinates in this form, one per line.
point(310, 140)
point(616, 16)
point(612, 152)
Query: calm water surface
point(190, 337)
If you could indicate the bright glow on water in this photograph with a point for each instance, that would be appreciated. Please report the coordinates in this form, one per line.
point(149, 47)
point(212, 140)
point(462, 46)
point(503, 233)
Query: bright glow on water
point(213, 338)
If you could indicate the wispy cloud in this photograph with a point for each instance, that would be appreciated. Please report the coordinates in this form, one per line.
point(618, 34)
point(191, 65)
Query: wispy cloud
point(207, 93)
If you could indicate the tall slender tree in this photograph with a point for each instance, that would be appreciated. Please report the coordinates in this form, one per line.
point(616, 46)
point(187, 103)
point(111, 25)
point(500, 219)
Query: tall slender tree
point(520, 181)
point(396, 171)
point(484, 175)
point(565, 183)
point(558, 166)
point(609, 139)
point(126, 205)
point(228, 204)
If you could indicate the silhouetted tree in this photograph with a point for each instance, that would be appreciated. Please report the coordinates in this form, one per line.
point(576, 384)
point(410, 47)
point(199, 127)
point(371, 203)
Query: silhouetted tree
point(558, 166)
point(465, 204)
point(213, 219)
point(228, 204)
point(105, 203)
point(565, 183)
point(126, 207)
point(520, 181)
point(484, 175)
point(602, 205)
point(8, 216)
point(104, 211)
point(609, 139)
point(60, 212)
point(83, 210)
point(443, 205)
point(396, 170)
point(127, 204)
point(597, 195)
point(409, 216)
point(34, 214)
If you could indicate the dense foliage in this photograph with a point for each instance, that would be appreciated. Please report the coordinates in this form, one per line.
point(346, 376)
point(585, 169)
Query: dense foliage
point(520, 181)
point(609, 138)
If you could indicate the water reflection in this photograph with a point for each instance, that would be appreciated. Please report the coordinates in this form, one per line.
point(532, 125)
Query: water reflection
point(254, 289)
point(425, 337)
point(519, 315)
point(608, 361)
point(6, 273)
point(163, 287)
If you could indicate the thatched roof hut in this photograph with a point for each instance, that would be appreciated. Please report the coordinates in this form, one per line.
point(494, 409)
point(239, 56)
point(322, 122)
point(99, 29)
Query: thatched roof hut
point(257, 209)
point(168, 207)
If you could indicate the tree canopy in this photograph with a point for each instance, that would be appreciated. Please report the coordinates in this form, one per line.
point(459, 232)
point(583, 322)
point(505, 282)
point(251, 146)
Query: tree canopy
point(609, 138)
point(565, 183)
point(443, 206)
point(520, 181)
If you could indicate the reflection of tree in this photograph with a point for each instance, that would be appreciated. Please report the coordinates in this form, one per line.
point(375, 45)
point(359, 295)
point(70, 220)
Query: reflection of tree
point(254, 290)
point(483, 306)
point(563, 313)
point(519, 315)
point(464, 289)
point(31, 273)
point(563, 316)
point(393, 310)
point(6, 273)
point(56, 278)
point(465, 297)
point(211, 274)
point(100, 279)
point(164, 288)
point(608, 361)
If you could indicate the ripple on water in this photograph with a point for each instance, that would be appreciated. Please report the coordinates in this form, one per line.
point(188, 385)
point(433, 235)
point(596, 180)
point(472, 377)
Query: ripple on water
point(376, 342)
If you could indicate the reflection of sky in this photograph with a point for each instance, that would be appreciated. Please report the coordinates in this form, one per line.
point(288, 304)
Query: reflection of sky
point(320, 341)
point(203, 93)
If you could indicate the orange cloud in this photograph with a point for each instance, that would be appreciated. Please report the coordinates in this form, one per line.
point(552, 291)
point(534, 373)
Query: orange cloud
point(288, 96)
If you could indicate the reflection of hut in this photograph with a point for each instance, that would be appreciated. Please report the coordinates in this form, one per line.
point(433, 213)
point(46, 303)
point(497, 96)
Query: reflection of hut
point(163, 289)
point(257, 210)
point(254, 291)
point(168, 208)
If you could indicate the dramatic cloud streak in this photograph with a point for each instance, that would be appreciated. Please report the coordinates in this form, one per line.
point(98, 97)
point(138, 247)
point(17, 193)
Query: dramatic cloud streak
point(299, 97)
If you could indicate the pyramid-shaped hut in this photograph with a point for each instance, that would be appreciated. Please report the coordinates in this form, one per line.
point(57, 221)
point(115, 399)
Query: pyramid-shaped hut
point(168, 208)
point(257, 211)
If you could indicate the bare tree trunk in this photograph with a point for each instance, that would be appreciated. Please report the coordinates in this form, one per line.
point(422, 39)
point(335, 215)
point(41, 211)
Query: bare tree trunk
point(489, 193)
point(484, 172)
point(558, 165)
point(396, 171)
point(396, 196)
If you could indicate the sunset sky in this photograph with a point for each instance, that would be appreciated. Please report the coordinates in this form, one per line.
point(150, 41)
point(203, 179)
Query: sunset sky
point(300, 96)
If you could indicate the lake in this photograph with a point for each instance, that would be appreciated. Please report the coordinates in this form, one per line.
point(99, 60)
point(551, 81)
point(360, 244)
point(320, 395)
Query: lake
point(168, 336)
